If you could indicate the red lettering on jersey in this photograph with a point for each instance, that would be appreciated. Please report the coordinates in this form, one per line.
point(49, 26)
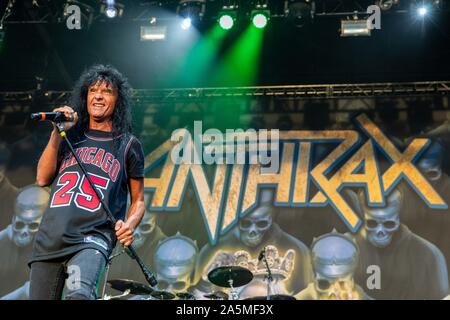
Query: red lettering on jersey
point(87, 199)
point(83, 153)
point(89, 155)
point(63, 164)
point(107, 162)
point(98, 158)
point(72, 161)
point(78, 151)
point(114, 170)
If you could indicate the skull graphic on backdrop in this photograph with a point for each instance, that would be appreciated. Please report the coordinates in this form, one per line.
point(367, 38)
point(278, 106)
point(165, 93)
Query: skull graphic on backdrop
point(431, 225)
point(29, 208)
point(144, 229)
point(243, 244)
point(175, 260)
point(381, 223)
point(405, 261)
point(16, 240)
point(334, 258)
point(431, 162)
point(254, 226)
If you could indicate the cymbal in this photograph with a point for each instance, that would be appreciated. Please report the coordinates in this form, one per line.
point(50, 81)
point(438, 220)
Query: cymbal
point(134, 286)
point(222, 276)
point(218, 295)
point(272, 297)
point(162, 295)
point(185, 296)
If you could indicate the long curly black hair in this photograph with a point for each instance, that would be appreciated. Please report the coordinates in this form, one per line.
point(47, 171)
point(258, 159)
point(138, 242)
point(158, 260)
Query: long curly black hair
point(121, 117)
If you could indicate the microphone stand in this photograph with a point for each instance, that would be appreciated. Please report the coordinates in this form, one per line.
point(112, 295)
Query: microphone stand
point(149, 276)
point(108, 266)
point(269, 276)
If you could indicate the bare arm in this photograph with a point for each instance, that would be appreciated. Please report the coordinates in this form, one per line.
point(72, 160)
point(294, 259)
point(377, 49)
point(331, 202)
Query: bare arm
point(48, 161)
point(124, 230)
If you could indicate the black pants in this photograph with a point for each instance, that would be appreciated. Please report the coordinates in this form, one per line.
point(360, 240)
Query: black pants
point(73, 278)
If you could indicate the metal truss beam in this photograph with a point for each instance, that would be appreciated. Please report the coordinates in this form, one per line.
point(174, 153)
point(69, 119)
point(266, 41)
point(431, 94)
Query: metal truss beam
point(53, 11)
point(320, 91)
point(323, 91)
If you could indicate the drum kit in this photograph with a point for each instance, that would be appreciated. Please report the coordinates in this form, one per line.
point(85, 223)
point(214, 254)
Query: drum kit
point(229, 277)
point(132, 290)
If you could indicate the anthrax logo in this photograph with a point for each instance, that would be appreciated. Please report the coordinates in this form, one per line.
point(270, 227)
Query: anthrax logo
point(234, 189)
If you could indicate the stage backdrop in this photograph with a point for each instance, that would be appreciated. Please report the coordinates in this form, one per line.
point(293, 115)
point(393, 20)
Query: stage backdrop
point(339, 198)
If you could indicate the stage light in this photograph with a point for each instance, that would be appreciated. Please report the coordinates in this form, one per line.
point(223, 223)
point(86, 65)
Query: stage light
point(153, 33)
point(186, 23)
point(386, 4)
point(226, 22)
point(111, 9)
point(425, 9)
point(422, 11)
point(191, 11)
point(227, 16)
point(111, 12)
point(259, 20)
point(354, 28)
point(260, 15)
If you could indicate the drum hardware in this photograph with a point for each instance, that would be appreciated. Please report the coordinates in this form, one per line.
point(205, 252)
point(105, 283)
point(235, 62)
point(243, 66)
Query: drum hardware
point(230, 277)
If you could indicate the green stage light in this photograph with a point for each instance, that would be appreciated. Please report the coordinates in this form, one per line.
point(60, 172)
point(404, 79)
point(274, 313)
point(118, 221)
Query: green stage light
point(260, 19)
point(226, 21)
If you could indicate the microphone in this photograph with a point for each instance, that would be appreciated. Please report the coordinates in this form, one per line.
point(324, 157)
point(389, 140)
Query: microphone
point(262, 254)
point(150, 277)
point(50, 116)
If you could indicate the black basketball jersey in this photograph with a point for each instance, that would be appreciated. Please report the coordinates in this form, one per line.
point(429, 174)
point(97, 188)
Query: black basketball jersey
point(74, 219)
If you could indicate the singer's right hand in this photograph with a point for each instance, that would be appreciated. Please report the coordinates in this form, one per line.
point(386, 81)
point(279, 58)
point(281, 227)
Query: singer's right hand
point(69, 113)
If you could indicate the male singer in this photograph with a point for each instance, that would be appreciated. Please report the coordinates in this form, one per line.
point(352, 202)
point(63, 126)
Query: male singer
point(75, 236)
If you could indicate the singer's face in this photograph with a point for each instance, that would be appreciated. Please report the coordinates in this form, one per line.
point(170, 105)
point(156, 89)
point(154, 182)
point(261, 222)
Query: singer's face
point(101, 101)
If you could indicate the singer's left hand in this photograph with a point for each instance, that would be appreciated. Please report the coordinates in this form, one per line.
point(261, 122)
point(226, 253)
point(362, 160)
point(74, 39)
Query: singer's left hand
point(124, 233)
